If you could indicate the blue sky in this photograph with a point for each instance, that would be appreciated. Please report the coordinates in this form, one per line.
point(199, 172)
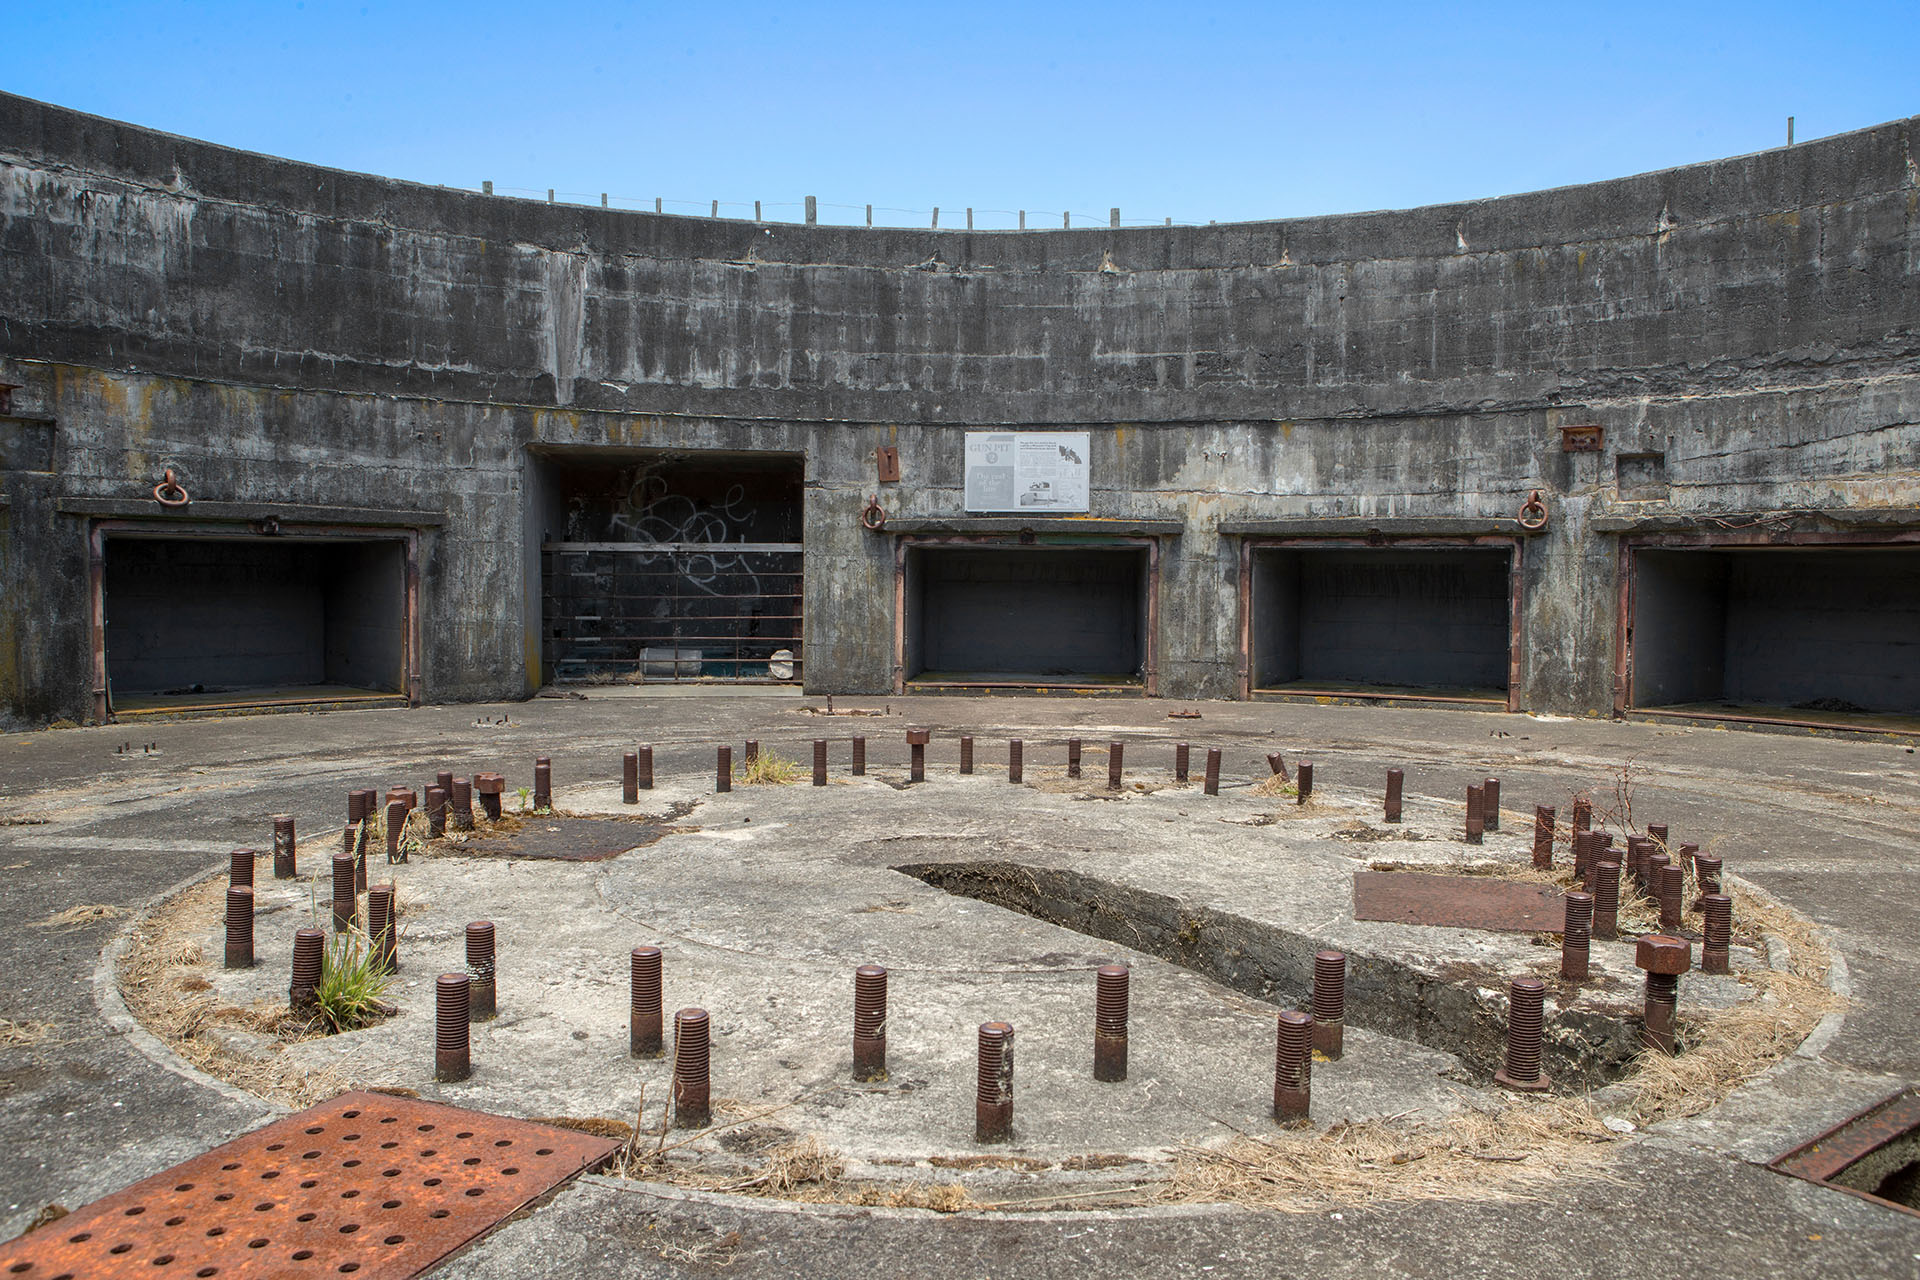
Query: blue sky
point(1222, 111)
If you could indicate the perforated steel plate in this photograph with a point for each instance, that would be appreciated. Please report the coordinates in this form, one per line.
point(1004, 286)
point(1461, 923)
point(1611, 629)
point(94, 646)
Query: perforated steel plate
point(366, 1185)
point(1460, 902)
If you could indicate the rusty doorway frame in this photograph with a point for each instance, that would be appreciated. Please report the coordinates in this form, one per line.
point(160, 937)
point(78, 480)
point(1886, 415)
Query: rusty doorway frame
point(1726, 540)
point(100, 530)
point(1513, 544)
point(1149, 684)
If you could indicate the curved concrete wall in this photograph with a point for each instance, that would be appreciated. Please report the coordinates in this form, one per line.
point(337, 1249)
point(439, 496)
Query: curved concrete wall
point(282, 333)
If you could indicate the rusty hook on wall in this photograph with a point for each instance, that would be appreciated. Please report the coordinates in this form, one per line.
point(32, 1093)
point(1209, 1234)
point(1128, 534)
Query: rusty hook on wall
point(873, 517)
point(168, 492)
point(1533, 513)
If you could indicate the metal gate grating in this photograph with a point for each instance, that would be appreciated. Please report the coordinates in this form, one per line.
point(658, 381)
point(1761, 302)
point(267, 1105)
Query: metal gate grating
point(366, 1185)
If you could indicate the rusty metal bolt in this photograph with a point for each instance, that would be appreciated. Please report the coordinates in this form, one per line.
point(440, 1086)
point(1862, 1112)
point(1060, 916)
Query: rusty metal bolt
point(1293, 1068)
point(240, 867)
point(1182, 755)
point(462, 799)
point(1673, 887)
point(1688, 855)
point(1606, 900)
point(381, 927)
point(993, 1089)
point(1717, 930)
point(436, 812)
point(1476, 813)
point(1396, 784)
point(1543, 824)
point(1664, 958)
point(646, 768)
point(723, 769)
point(1490, 804)
point(1652, 867)
point(452, 1045)
point(1303, 781)
point(1016, 753)
point(870, 1022)
point(1576, 936)
point(489, 787)
point(691, 1086)
point(859, 757)
point(819, 762)
point(1115, 756)
point(645, 1033)
point(1277, 766)
point(444, 781)
point(629, 777)
point(1657, 832)
point(396, 827)
point(966, 755)
point(1110, 984)
point(404, 795)
point(240, 926)
point(1638, 847)
point(1582, 813)
point(284, 864)
point(309, 961)
point(345, 901)
point(1706, 870)
point(751, 756)
point(1330, 1003)
point(916, 760)
point(349, 832)
point(1584, 845)
point(1211, 786)
point(1073, 757)
point(480, 968)
point(1526, 1022)
point(543, 782)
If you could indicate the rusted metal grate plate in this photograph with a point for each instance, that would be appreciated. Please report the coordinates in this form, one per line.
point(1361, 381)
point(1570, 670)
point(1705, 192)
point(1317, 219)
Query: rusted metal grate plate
point(365, 1185)
point(1459, 902)
point(568, 839)
point(1853, 1140)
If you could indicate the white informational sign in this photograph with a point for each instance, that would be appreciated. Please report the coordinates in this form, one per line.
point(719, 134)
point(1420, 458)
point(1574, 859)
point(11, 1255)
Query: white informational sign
point(1033, 472)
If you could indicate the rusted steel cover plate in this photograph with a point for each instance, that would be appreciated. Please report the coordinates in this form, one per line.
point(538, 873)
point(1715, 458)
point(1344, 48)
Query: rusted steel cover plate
point(365, 1185)
point(567, 839)
point(1459, 902)
point(1852, 1141)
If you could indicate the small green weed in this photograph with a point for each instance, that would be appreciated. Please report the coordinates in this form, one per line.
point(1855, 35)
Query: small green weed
point(767, 768)
point(351, 985)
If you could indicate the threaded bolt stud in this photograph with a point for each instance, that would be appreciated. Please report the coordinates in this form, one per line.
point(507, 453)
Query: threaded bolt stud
point(1706, 870)
point(345, 901)
point(1526, 1022)
point(1576, 936)
point(284, 867)
point(480, 969)
point(993, 1090)
point(347, 832)
point(1116, 754)
point(916, 760)
point(1211, 783)
point(452, 1041)
point(1657, 832)
point(629, 777)
point(240, 867)
point(1016, 760)
point(966, 755)
point(444, 781)
point(1110, 1022)
point(1582, 813)
point(436, 812)
point(1302, 781)
point(1330, 1003)
point(645, 1035)
point(646, 768)
point(1717, 931)
point(1673, 887)
point(1476, 813)
point(309, 962)
point(692, 1107)
point(1606, 900)
point(240, 926)
point(870, 1023)
point(723, 769)
point(396, 826)
point(1293, 1068)
point(1182, 754)
point(543, 782)
point(819, 762)
point(1490, 804)
point(1396, 784)
point(1543, 823)
point(381, 927)
point(751, 756)
point(462, 796)
point(1583, 846)
point(859, 757)
point(1073, 757)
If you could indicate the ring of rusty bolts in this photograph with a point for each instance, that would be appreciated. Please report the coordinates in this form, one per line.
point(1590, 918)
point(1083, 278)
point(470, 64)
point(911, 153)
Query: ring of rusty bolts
point(462, 998)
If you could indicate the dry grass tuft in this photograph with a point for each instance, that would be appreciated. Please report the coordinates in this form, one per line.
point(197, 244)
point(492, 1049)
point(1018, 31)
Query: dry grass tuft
point(1275, 786)
point(1722, 1052)
point(18, 1035)
point(79, 917)
point(768, 769)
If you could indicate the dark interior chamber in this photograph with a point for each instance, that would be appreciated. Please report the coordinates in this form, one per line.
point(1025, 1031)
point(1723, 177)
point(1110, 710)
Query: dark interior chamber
point(211, 616)
point(1830, 630)
point(1431, 620)
point(1031, 615)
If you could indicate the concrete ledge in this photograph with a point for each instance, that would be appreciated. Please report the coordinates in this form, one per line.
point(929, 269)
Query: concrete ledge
point(1392, 526)
point(1024, 524)
point(1721, 521)
point(242, 512)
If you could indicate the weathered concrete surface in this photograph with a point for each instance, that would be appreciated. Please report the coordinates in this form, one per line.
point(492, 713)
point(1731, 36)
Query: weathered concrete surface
point(1825, 825)
point(286, 334)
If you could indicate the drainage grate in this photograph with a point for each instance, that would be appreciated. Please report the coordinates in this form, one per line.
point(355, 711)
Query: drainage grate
point(1875, 1155)
point(1461, 902)
point(367, 1185)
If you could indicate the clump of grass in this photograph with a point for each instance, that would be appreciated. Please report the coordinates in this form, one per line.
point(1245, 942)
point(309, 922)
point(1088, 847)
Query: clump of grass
point(78, 917)
point(352, 985)
point(768, 769)
point(14, 1034)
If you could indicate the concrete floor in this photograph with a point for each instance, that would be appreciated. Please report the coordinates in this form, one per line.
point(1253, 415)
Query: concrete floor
point(1828, 826)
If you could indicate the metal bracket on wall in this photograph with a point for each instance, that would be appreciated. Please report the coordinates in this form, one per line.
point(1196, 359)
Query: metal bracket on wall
point(887, 460)
point(1586, 439)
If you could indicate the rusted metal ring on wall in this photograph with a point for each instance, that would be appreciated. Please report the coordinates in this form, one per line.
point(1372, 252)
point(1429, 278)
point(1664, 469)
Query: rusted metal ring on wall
point(873, 517)
point(1533, 513)
point(168, 492)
